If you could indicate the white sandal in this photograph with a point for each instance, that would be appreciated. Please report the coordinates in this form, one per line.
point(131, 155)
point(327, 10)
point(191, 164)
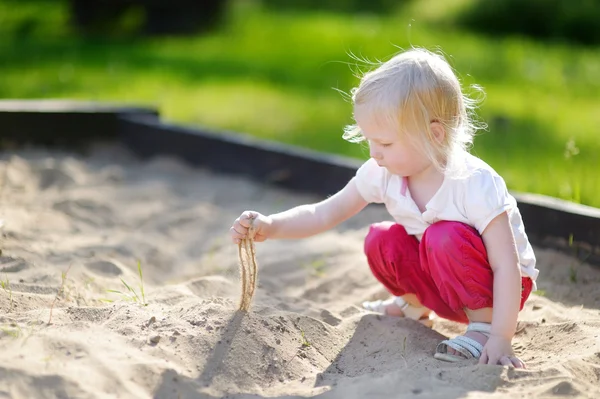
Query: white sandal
point(468, 347)
point(417, 313)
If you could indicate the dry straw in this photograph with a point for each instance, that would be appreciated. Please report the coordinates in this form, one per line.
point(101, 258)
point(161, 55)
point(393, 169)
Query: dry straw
point(248, 268)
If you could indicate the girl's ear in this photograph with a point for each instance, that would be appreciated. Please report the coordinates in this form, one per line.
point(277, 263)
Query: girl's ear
point(438, 131)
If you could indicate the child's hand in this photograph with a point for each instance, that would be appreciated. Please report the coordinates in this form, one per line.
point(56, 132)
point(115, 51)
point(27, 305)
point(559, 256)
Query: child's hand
point(240, 228)
point(498, 350)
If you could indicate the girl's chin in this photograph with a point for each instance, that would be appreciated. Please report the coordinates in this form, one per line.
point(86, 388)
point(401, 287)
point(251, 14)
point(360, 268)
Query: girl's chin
point(394, 171)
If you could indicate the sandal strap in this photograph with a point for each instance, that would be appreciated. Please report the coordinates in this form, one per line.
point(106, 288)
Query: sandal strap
point(472, 346)
point(377, 306)
point(410, 311)
point(484, 328)
point(465, 345)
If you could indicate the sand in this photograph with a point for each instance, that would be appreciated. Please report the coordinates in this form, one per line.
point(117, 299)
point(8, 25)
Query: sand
point(77, 225)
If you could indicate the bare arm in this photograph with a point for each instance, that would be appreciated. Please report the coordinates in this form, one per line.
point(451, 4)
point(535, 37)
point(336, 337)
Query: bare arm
point(308, 220)
point(504, 261)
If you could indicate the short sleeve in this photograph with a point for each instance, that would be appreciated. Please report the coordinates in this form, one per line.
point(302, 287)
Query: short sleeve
point(486, 197)
point(371, 181)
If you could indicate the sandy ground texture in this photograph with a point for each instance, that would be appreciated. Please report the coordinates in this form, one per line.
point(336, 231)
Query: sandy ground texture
point(76, 226)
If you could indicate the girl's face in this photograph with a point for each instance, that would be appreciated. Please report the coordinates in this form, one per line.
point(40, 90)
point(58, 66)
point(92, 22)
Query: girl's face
point(392, 151)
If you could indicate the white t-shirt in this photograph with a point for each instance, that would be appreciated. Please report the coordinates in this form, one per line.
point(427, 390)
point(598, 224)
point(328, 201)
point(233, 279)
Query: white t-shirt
point(475, 199)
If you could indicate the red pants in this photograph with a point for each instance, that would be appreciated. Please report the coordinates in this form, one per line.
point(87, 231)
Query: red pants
point(448, 270)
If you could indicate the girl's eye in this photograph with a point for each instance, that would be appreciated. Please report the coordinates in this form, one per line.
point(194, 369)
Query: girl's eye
point(386, 145)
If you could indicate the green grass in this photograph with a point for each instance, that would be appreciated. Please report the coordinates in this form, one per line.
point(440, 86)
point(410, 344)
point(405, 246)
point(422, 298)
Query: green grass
point(305, 343)
point(131, 294)
point(275, 76)
point(5, 284)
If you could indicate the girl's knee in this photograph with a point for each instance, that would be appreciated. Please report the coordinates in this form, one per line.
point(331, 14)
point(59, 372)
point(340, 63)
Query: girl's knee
point(389, 240)
point(378, 233)
point(448, 236)
point(382, 233)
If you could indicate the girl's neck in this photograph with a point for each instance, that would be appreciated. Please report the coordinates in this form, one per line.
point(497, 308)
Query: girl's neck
point(430, 173)
point(428, 176)
point(424, 185)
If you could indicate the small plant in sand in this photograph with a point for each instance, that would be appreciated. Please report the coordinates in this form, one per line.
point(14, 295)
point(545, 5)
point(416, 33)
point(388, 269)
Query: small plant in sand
point(5, 284)
point(305, 343)
point(316, 267)
point(131, 294)
point(63, 280)
point(403, 354)
point(61, 291)
point(539, 292)
point(12, 330)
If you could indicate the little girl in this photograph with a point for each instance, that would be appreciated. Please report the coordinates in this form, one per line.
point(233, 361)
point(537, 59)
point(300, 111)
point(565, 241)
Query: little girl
point(457, 246)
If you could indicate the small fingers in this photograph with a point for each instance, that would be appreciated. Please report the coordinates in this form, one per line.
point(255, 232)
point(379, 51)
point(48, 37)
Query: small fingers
point(247, 226)
point(238, 233)
point(493, 360)
point(484, 358)
point(505, 361)
point(518, 363)
point(508, 361)
point(247, 218)
point(240, 229)
point(259, 238)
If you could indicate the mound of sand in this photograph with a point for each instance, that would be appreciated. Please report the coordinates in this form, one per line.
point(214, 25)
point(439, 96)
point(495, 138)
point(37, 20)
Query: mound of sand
point(77, 226)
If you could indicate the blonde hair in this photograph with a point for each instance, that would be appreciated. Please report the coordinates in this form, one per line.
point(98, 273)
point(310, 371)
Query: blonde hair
point(407, 93)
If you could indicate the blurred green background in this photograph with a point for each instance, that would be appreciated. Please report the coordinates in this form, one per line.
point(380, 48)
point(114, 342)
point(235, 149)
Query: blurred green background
point(277, 70)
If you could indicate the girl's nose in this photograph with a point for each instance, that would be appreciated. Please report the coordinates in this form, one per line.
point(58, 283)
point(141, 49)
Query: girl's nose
point(375, 154)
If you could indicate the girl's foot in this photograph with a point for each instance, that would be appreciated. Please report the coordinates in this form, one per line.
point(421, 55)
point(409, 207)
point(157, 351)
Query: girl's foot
point(398, 307)
point(467, 346)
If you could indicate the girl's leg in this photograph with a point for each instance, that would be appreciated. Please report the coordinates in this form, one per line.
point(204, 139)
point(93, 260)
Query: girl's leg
point(393, 257)
point(454, 255)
